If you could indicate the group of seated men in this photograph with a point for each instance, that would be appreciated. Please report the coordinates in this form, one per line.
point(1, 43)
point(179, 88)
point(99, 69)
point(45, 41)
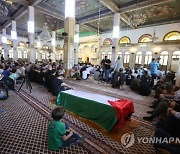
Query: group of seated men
point(50, 77)
point(139, 79)
point(166, 114)
point(11, 73)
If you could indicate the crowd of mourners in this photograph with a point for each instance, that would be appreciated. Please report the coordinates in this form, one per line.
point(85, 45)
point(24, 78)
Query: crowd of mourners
point(166, 109)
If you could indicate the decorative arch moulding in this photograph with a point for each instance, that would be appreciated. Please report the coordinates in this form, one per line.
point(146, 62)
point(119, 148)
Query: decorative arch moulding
point(107, 42)
point(22, 44)
point(124, 40)
point(145, 38)
point(172, 36)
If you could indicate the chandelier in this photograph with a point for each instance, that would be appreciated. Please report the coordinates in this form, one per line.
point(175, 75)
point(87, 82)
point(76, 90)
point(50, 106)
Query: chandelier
point(45, 35)
point(3, 10)
point(137, 18)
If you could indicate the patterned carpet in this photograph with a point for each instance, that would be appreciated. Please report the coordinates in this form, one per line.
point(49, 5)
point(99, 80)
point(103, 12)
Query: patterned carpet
point(25, 118)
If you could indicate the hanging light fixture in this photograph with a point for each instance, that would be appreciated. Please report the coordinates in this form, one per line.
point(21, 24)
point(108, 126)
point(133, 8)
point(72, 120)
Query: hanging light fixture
point(3, 10)
point(137, 17)
point(45, 35)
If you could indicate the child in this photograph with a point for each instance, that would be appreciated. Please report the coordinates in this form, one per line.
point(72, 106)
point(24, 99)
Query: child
point(59, 135)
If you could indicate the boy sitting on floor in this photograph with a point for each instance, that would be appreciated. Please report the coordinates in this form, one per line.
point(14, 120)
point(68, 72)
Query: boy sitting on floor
point(59, 135)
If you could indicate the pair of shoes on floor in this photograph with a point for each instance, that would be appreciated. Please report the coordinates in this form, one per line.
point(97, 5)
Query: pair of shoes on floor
point(150, 112)
point(150, 119)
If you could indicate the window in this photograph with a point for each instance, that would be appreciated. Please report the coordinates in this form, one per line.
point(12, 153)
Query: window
point(51, 56)
point(145, 38)
point(126, 57)
point(19, 54)
point(22, 44)
point(2, 52)
point(36, 55)
point(103, 55)
point(109, 55)
point(43, 56)
point(47, 56)
point(176, 54)
point(119, 54)
point(107, 41)
point(148, 58)
point(94, 48)
point(58, 47)
point(10, 54)
point(163, 58)
point(25, 55)
point(86, 49)
point(139, 57)
point(45, 47)
point(175, 35)
point(124, 40)
point(58, 56)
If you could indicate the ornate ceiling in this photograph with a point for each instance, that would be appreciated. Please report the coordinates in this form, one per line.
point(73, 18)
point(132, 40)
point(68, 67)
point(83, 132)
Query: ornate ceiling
point(90, 14)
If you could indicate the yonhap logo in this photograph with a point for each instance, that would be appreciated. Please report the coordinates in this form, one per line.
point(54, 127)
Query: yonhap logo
point(127, 139)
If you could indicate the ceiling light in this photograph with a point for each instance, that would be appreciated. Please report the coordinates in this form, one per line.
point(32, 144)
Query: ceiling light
point(13, 35)
point(4, 39)
point(31, 27)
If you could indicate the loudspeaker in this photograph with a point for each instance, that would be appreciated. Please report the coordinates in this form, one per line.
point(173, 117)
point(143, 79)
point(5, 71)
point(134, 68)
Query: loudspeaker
point(64, 34)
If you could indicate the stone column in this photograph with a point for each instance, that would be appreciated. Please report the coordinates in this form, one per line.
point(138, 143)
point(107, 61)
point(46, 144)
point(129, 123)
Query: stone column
point(178, 76)
point(143, 57)
point(115, 36)
point(69, 25)
point(69, 43)
point(169, 60)
point(4, 40)
point(76, 43)
point(53, 43)
point(32, 53)
point(15, 43)
point(132, 60)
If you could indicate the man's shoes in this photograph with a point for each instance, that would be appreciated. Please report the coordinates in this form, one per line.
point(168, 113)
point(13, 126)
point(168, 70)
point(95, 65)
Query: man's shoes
point(150, 112)
point(152, 106)
point(150, 119)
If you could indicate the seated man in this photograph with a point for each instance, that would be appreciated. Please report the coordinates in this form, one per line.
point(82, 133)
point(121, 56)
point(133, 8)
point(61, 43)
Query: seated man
point(129, 78)
point(57, 85)
point(161, 110)
point(119, 79)
point(135, 84)
point(85, 74)
point(172, 148)
point(170, 129)
point(75, 73)
point(61, 71)
point(97, 75)
point(9, 82)
point(144, 87)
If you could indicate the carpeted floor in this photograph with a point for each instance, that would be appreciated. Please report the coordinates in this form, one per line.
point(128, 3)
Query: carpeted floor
point(25, 118)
